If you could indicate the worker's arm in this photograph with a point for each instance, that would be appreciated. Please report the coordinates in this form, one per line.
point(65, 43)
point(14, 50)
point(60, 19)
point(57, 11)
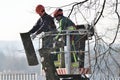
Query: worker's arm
point(43, 28)
point(47, 25)
point(60, 29)
point(36, 27)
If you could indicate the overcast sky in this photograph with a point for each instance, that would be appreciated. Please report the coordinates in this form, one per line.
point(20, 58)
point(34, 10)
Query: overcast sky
point(18, 16)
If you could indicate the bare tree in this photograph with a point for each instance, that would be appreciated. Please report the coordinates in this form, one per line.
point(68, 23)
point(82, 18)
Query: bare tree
point(105, 14)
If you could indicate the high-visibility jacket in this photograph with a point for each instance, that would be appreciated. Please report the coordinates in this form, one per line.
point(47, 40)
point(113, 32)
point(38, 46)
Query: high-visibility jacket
point(65, 24)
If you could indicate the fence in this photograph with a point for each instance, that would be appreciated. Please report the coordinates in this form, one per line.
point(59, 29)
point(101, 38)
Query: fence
point(113, 78)
point(18, 76)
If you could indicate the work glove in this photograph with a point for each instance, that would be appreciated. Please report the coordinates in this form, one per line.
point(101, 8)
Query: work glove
point(33, 36)
point(54, 42)
point(54, 39)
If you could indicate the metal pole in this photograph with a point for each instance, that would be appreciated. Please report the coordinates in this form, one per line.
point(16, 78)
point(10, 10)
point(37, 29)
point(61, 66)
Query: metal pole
point(67, 49)
point(89, 60)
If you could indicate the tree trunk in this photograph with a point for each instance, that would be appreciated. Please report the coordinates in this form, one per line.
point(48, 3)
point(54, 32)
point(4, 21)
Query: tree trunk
point(48, 64)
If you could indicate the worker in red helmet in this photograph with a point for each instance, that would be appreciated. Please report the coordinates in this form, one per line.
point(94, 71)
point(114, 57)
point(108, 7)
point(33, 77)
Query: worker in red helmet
point(40, 10)
point(44, 24)
point(77, 41)
point(64, 24)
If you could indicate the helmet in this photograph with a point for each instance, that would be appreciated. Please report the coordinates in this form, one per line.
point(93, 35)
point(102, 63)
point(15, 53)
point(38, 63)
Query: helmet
point(40, 9)
point(58, 12)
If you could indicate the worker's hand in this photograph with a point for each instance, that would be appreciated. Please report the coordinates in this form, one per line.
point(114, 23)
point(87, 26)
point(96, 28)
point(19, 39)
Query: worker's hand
point(54, 39)
point(33, 36)
point(54, 42)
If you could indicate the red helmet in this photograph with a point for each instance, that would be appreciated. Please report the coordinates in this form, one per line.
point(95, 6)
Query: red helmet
point(58, 12)
point(40, 9)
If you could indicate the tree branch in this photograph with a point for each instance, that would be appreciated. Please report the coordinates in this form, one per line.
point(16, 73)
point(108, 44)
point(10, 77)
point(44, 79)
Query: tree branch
point(75, 5)
point(100, 12)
